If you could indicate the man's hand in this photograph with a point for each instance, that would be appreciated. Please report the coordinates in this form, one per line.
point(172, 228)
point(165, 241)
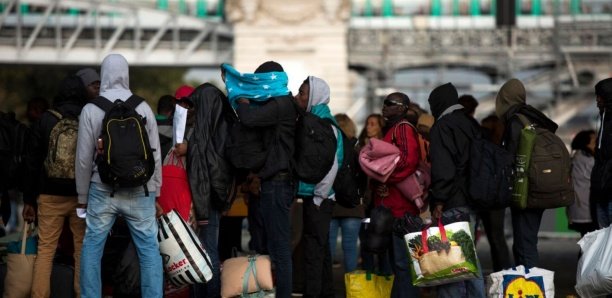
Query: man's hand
point(159, 211)
point(437, 212)
point(29, 214)
point(180, 149)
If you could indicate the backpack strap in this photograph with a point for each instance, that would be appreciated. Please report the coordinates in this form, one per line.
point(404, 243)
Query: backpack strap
point(55, 113)
point(133, 101)
point(524, 120)
point(102, 103)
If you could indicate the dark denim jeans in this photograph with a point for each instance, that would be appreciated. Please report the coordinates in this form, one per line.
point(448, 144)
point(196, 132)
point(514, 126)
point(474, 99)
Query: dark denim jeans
point(319, 277)
point(525, 227)
point(276, 197)
point(209, 237)
point(402, 283)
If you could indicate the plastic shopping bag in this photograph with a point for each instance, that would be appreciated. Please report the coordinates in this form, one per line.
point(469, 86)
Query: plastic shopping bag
point(442, 254)
point(594, 274)
point(362, 284)
point(521, 282)
point(184, 259)
point(175, 192)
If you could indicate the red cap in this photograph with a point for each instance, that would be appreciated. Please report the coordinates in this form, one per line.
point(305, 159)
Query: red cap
point(183, 91)
point(182, 94)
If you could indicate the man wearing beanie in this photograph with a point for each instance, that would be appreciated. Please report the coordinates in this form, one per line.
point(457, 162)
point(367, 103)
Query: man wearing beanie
point(91, 81)
point(601, 183)
point(451, 136)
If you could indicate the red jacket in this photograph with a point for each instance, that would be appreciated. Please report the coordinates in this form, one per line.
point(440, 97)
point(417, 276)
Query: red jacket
point(404, 137)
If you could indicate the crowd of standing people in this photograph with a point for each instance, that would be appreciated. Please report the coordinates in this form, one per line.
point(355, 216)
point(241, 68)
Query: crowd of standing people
point(244, 140)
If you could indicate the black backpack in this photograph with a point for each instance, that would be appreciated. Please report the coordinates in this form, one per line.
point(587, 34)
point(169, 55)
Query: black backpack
point(125, 157)
point(315, 147)
point(245, 145)
point(350, 181)
point(491, 174)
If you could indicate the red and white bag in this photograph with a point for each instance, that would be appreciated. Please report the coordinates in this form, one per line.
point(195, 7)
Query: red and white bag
point(184, 259)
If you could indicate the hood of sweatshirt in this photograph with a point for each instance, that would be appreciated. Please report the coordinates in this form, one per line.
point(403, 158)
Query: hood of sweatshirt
point(115, 83)
point(512, 93)
point(442, 98)
point(319, 92)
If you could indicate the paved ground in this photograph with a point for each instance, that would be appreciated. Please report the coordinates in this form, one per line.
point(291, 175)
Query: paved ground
point(559, 254)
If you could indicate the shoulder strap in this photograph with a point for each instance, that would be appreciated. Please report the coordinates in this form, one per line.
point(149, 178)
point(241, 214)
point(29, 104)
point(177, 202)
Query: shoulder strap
point(55, 113)
point(102, 103)
point(523, 119)
point(397, 125)
point(133, 101)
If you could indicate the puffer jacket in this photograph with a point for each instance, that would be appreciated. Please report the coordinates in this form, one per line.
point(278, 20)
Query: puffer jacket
point(210, 174)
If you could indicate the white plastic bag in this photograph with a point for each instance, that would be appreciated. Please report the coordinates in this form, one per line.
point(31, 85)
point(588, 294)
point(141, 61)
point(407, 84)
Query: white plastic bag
point(594, 274)
point(184, 259)
point(535, 282)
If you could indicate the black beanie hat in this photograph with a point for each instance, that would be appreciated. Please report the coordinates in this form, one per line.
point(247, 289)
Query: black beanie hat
point(269, 66)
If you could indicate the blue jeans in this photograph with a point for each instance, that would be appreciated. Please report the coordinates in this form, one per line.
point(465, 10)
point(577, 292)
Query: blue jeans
point(402, 283)
point(209, 237)
point(350, 233)
point(276, 198)
point(139, 213)
point(604, 213)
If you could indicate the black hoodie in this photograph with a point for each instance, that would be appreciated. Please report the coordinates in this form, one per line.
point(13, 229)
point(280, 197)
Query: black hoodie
point(210, 174)
point(450, 136)
point(69, 102)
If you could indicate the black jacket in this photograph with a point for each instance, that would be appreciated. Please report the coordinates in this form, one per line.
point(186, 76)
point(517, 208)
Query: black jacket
point(601, 176)
point(276, 118)
point(210, 174)
point(37, 152)
point(450, 139)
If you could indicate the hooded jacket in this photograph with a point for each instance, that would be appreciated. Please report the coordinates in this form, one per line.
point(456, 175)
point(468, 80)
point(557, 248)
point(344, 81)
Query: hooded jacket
point(275, 119)
point(114, 85)
point(510, 101)
point(210, 175)
point(601, 177)
point(451, 136)
point(318, 100)
point(68, 102)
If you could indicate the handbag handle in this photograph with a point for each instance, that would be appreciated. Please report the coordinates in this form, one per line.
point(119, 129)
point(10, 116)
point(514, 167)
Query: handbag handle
point(443, 237)
point(24, 237)
point(245, 280)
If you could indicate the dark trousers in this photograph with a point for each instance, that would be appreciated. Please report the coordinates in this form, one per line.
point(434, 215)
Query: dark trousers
point(276, 199)
point(493, 223)
point(256, 226)
point(318, 280)
point(209, 237)
point(525, 225)
point(231, 238)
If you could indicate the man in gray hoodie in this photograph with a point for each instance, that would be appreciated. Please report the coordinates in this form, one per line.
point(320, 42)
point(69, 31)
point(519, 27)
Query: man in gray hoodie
point(319, 199)
point(133, 204)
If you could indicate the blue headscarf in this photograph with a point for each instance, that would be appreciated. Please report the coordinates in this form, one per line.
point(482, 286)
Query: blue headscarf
point(254, 86)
